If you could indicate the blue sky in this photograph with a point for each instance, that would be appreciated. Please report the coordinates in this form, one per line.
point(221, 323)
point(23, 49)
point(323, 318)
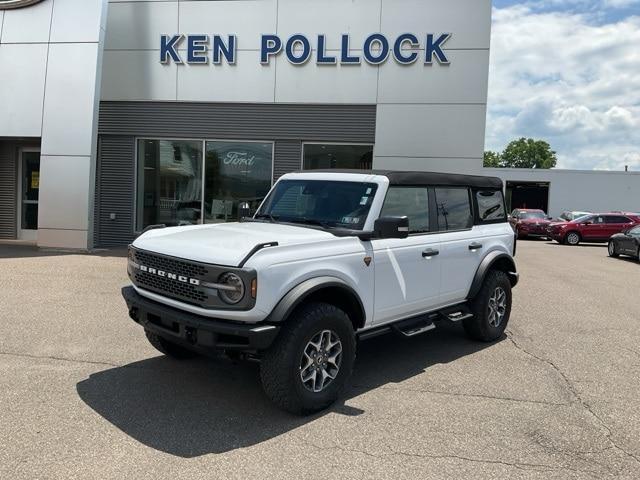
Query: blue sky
point(568, 71)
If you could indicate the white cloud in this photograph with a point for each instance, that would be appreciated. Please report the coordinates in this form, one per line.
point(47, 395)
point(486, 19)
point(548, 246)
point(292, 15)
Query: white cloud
point(570, 79)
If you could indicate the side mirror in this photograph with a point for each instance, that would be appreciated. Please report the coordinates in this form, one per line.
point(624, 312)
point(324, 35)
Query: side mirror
point(391, 227)
point(588, 223)
point(244, 210)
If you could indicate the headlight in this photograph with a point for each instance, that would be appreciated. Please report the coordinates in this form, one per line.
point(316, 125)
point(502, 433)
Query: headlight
point(231, 288)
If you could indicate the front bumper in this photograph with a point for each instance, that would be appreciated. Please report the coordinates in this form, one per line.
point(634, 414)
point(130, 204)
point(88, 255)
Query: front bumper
point(533, 231)
point(195, 332)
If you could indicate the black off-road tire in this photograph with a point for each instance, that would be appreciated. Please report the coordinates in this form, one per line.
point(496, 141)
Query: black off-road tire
point(612, 250)
point(281, 363)
point(168, 348)
point(479, 327)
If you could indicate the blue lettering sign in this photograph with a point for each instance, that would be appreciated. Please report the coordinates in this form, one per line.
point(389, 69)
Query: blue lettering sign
point(400, 55)
point(376, 58)
point(168, 48)
point(197, 46)
point(435, 49)
point(323, 59)
point(271, 45)
point(228, 50)
point(345, 57)
point(298, 39)
point(376, 49)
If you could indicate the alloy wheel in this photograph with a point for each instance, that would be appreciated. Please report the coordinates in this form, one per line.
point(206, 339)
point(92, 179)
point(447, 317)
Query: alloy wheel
point(573, 239)
point(320, 362)
point(497, 307)
point(612, 249)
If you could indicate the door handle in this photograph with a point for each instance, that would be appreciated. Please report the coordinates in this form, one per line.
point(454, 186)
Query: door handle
point(430, 252)
point(475, 246)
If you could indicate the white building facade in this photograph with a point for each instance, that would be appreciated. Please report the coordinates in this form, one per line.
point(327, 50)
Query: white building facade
point(116, 115)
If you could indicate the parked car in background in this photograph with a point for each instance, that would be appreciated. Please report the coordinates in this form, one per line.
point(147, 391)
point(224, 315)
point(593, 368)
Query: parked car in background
point(529, 222)
point(626, 243)
point(592, 228)
point(570, 215)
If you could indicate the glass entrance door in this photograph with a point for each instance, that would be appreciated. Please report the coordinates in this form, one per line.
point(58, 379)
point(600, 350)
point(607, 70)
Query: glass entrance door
point(29, 191)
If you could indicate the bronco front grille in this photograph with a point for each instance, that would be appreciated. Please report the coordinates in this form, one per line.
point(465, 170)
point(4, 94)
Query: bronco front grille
point(183, 291)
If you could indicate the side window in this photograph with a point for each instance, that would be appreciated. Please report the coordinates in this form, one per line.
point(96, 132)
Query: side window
point(490, 206)
point(412, 202)
point(454, 209)
point(616, 219)
point(635, 232)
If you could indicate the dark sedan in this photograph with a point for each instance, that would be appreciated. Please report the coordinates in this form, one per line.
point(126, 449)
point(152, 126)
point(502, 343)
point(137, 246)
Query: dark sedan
point(626, 243)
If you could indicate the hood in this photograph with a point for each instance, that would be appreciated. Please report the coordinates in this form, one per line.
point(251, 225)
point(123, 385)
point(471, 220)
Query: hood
point(534, 220)
point(225, 243)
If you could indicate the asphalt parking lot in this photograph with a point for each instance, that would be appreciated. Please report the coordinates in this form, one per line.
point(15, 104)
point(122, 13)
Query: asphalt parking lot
point(82, 394)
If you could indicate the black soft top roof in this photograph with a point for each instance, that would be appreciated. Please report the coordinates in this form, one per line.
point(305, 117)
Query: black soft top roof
point(427, 178)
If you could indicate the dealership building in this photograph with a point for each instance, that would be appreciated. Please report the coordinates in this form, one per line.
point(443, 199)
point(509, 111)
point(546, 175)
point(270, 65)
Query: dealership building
point(122, 114)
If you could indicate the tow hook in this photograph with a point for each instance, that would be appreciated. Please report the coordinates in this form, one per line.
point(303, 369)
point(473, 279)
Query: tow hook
point(191, 335)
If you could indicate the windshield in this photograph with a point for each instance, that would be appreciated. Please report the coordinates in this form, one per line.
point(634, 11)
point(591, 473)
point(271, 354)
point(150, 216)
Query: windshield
point(329, 204)
point(582, 219)
point(531, 215)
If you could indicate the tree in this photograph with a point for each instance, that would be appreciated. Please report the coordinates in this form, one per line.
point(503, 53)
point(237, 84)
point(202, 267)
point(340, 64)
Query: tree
point(529, 153)
point(522, 153)
point(492, 160)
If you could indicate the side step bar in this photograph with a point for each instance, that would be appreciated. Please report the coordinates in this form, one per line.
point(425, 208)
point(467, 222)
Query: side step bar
point(416, 325)
point(420, 324)
point(456, 314)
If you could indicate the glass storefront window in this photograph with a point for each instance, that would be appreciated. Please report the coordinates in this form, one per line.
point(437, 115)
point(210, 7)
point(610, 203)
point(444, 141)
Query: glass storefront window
point(169, 183)
point(329, 156)
point(235, 172)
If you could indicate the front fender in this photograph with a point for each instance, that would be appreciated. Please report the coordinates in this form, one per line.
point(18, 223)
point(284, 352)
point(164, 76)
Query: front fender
point(300, 292)
point(495, 258)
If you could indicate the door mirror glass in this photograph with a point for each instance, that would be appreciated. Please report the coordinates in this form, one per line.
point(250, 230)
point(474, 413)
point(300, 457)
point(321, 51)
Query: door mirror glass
point(392, 227)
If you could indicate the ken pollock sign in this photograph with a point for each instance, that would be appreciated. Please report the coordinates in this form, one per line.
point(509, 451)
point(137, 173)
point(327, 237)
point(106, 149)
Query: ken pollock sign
point(299, 49)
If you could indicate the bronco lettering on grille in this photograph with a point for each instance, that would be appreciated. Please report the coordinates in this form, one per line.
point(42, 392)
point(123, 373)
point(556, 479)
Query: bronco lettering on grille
point(170, 276)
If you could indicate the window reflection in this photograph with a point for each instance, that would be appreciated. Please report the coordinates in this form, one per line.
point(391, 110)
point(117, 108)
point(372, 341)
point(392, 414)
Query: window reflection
point(330, 156)
point(169, 182)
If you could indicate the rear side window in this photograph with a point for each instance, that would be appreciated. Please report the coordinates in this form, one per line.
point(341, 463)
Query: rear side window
point(490, 206)
point(616, 219)
point(454, 208)
point(412, 202)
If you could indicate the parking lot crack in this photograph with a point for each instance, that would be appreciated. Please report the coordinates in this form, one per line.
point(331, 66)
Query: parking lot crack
point(59, 359)
point(524, 466)
point(608, 432)
point(467, 395)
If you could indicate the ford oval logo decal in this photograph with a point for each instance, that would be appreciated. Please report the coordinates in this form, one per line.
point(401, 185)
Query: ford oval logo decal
point(5, 4)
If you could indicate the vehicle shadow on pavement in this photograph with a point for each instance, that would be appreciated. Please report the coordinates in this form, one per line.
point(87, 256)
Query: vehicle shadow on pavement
point(204, 406)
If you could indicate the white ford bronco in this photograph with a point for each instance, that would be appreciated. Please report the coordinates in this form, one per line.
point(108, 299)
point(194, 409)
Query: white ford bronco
point(329, 259)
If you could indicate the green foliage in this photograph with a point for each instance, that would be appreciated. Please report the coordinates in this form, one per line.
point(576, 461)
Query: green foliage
point(523, 153)
point(492, 159)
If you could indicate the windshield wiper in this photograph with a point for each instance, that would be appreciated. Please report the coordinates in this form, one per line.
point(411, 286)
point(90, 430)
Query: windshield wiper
point(310, 221)
point(268, 216)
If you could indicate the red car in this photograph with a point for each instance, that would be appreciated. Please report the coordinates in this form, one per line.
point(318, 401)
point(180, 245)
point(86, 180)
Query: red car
point(528, 222)
point(592, 228)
